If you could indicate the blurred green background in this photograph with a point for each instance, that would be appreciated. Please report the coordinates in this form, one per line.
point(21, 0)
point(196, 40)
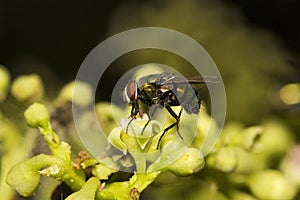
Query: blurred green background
point(255, 44)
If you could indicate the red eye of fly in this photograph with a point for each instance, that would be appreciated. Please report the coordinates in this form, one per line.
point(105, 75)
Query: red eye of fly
point(131, 90)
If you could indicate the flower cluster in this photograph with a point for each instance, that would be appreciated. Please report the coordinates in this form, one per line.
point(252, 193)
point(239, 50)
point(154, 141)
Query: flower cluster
point(246, 162)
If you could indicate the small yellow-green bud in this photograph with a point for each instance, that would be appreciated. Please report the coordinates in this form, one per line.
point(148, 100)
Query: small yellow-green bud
point(37, 115)
point(248, 162)
point(28, 88)
point(82, 96)
point(87, 192)
point(108, 115)
point(4, 82)
point(276, 139)
point(224, 159)
point(250, 136)
point(247, 138)
point(272, 185)
point(189, 163)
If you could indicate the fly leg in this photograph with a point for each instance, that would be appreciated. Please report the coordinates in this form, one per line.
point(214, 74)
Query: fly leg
point(166, 129)
point(134, 111)
point(176, 117)
point(145, 126)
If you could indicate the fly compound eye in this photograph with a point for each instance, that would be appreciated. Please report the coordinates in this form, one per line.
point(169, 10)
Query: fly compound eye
point(130, 92)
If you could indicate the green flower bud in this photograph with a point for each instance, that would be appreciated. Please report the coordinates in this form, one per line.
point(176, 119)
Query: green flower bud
point(250, 136)
point(276, 139)
point(189, 163)
point(37, 115)
point(28, 88)
point(4, 82)
point(87, 192)
point(108, 115)
point(230, 131)
point(84, 94)
point(271, 184)
point(235, 134)
point(248, 162)
point(224, 159)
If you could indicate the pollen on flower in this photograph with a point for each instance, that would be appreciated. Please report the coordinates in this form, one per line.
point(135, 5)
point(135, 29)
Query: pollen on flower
point(54, 169)
point(51, 171)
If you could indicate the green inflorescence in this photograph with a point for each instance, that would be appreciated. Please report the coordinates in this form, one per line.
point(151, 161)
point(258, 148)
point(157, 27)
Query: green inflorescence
point(242, 165)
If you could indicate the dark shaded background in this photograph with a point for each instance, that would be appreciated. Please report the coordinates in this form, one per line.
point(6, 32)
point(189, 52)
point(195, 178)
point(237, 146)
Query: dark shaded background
point(60, 34)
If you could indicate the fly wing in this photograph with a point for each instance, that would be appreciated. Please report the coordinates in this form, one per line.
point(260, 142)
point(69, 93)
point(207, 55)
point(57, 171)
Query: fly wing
point(189, 91)
point(190, 80)
point(202, 80)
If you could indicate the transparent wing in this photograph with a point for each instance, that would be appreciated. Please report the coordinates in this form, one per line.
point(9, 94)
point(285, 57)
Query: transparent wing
point(190, 80)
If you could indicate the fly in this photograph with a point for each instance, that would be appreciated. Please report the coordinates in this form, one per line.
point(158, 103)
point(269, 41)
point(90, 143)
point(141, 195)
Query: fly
point(166, 90)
